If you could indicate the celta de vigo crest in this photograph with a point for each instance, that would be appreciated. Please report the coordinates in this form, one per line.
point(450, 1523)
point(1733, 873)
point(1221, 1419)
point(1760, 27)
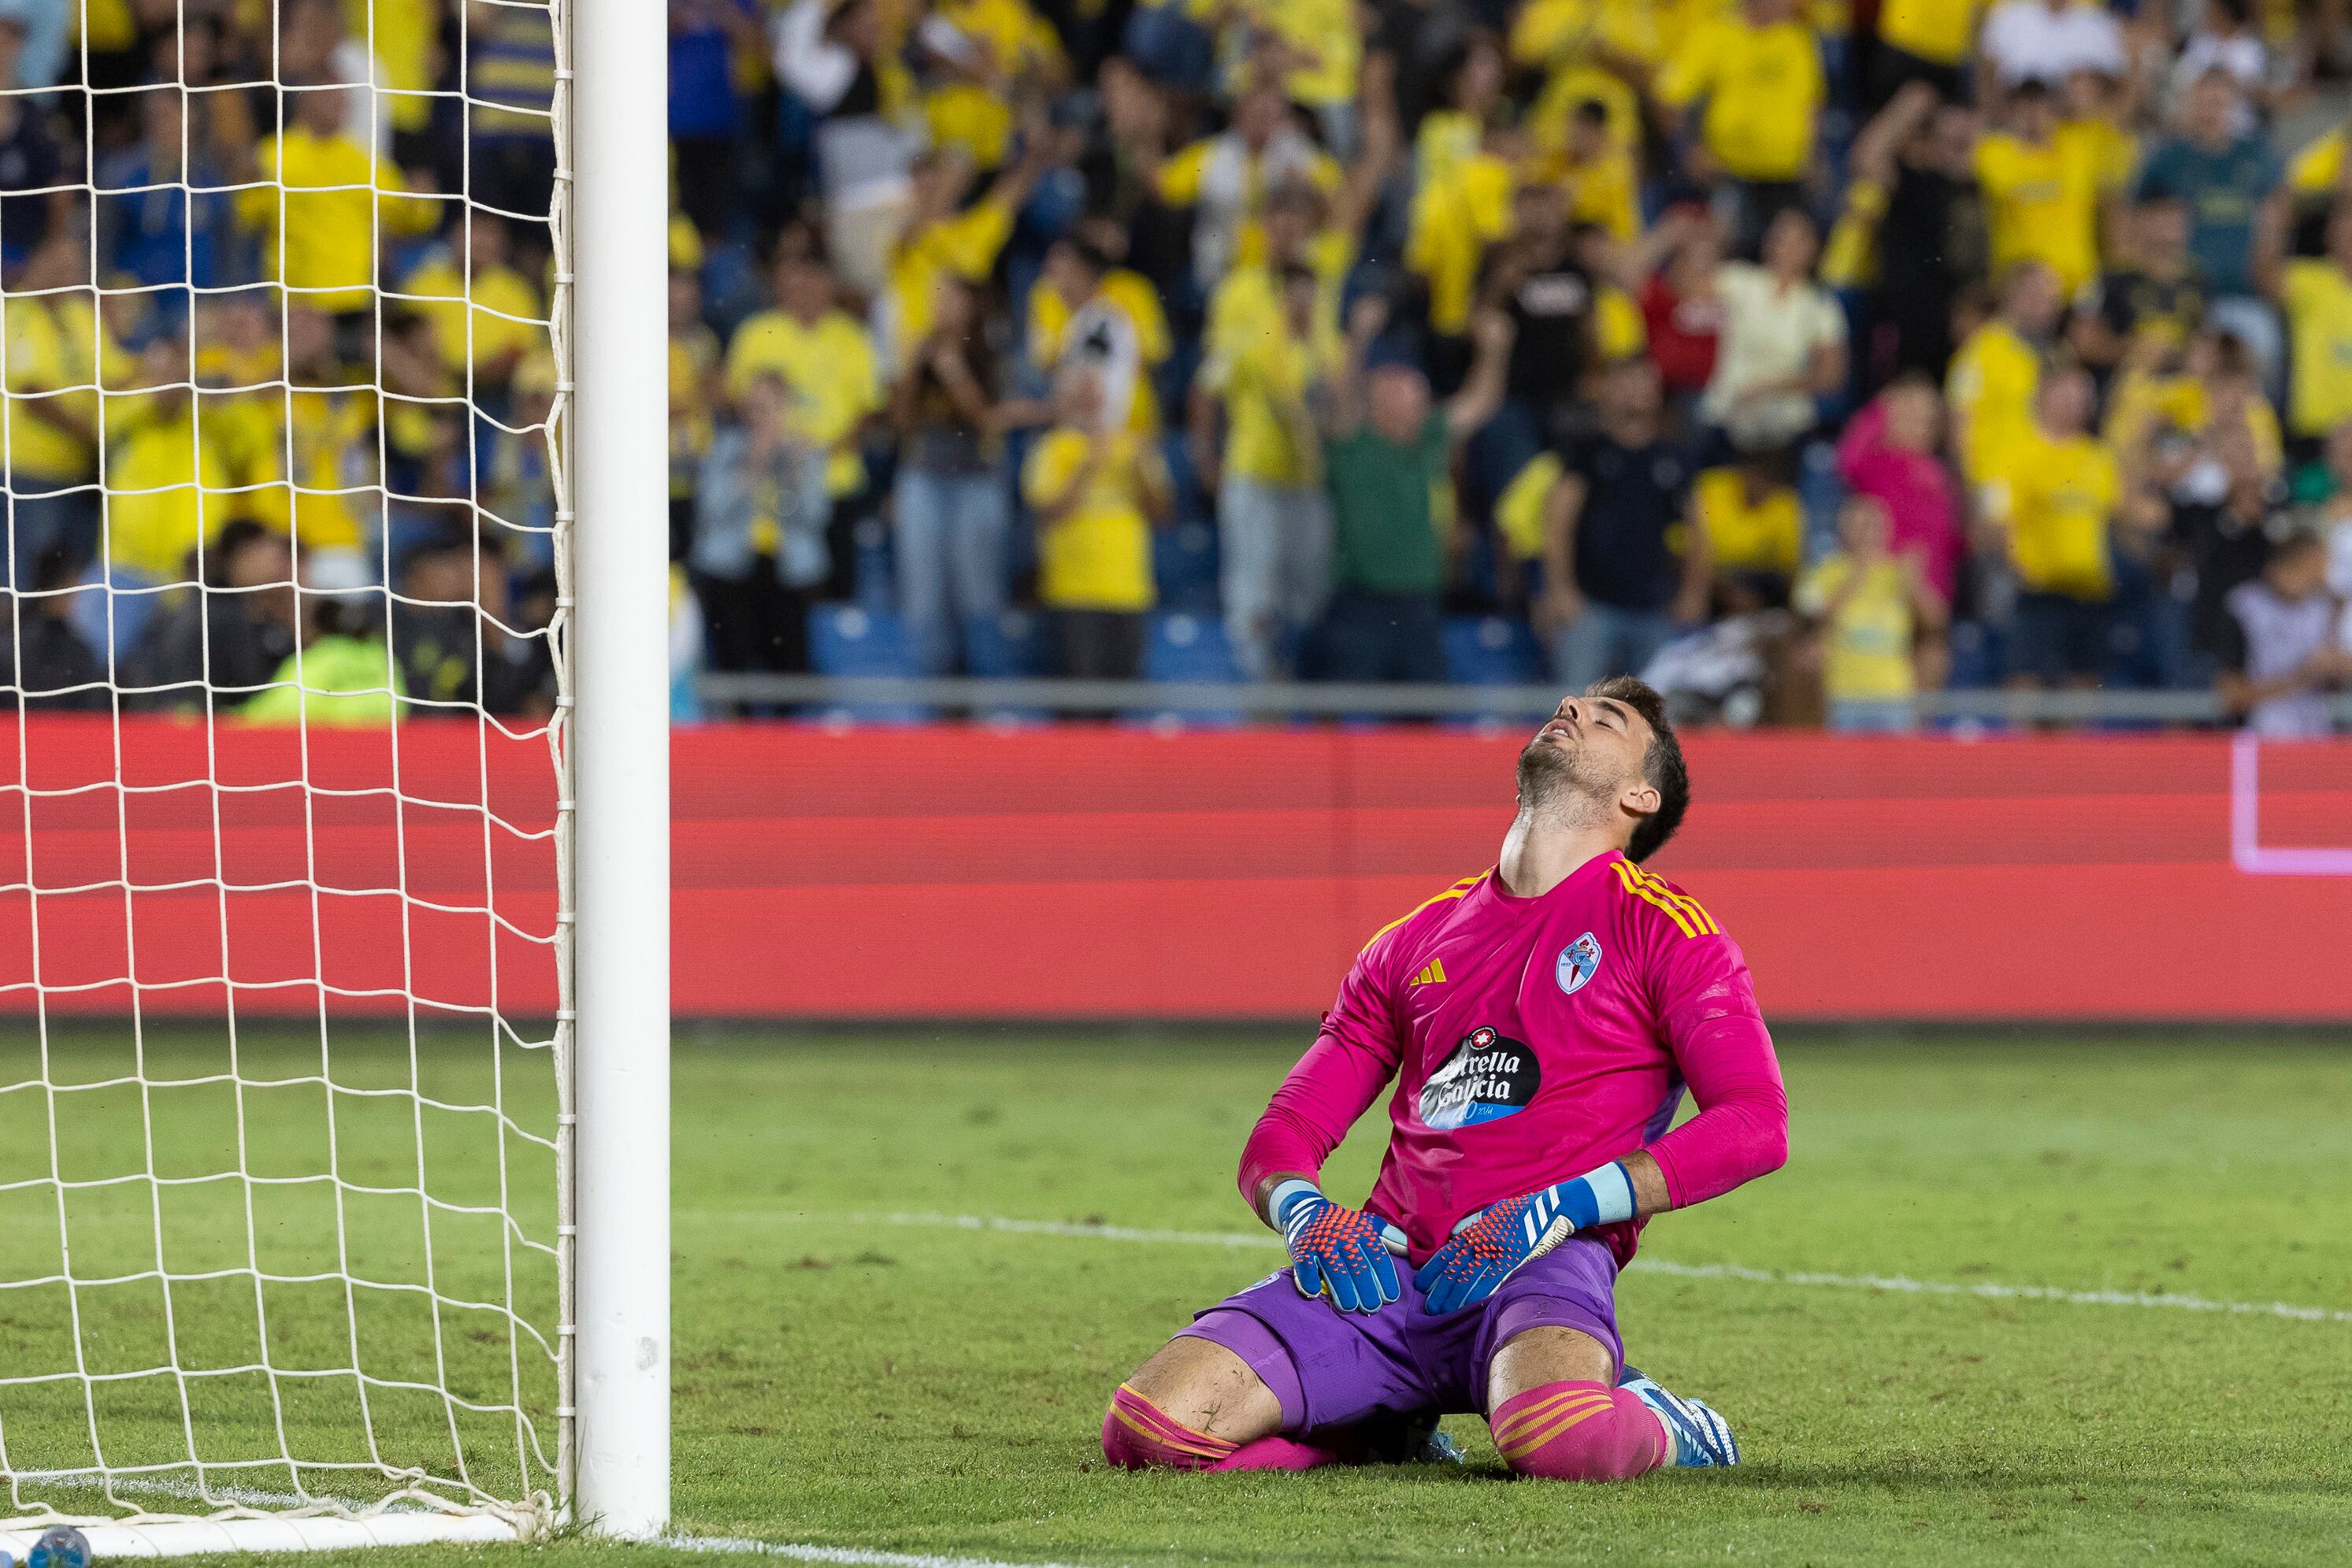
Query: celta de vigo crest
point(1577, 962)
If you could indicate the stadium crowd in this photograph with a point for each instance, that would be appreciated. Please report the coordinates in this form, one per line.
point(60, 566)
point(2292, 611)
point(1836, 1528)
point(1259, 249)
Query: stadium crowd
point(1798, 357)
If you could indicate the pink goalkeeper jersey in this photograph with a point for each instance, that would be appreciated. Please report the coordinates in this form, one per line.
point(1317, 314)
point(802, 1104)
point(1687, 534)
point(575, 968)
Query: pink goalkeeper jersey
point(1532, 1040)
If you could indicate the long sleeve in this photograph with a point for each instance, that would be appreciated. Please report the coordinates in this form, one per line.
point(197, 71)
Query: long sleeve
point(1335, 1083)
point(1724, 1053)
point(1741, 1131)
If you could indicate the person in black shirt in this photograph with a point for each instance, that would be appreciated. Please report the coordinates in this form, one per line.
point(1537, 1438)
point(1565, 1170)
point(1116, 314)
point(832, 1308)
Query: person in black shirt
point(1615, 589)
point(42, 655)
point(30, 161)
point(2164, 290)
point(1537, 280)
point(1918, 158)
point(226, 636)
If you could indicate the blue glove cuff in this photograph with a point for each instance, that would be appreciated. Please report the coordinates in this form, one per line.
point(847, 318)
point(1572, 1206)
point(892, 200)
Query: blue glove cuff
point(1287, 1196)
point(1610, 1192)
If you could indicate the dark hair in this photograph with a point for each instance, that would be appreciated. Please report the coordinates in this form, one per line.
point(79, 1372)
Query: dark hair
point(1662, 765)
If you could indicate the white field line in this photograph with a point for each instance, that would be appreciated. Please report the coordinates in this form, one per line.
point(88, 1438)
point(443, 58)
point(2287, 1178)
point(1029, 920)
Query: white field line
point(1988, 1289)
point(797, 1552)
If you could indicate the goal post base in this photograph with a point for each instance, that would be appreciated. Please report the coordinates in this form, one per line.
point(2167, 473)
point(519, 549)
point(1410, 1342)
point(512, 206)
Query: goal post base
point(191, 1537)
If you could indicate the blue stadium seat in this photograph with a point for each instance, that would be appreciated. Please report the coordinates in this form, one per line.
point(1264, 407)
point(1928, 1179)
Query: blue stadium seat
point(1977, 656)
point(1181, 647)
point(1184, 564)
point(1186, 647)
point(1001, 646)
point(1491, 651)
point(851, 639)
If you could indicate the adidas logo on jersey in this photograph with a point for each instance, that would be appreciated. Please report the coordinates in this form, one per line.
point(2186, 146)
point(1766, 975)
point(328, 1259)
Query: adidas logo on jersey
point(1432, 976)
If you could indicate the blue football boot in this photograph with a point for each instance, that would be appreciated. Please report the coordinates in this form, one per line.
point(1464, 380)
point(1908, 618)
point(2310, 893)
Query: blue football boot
point(1701, 1438)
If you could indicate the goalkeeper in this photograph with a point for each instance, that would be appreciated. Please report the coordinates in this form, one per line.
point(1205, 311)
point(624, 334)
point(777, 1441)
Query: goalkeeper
point(1541, 1020)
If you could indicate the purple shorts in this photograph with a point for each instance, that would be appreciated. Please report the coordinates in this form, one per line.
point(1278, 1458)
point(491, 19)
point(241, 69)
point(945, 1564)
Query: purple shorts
point(1331, 1368)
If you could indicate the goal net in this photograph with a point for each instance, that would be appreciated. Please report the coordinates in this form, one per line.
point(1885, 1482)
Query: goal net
point(286, 989)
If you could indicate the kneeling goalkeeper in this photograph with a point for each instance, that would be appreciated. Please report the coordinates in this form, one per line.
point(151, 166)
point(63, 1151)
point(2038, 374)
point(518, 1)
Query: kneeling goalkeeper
point(1541, 1020)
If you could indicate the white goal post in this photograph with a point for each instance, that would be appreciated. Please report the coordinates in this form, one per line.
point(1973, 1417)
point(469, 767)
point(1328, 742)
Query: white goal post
point(327, 1221)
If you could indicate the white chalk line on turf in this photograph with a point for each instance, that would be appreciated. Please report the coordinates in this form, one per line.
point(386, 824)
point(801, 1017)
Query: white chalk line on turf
point(798, 1552)
point(1901, 1283)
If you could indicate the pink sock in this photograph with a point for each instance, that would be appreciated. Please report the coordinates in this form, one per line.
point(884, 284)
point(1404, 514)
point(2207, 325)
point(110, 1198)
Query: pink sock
point(1577, 1432)
point(1276, 1454)
point(1135, 1436)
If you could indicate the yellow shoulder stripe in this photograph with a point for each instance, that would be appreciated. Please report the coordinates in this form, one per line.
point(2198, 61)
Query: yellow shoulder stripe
point(1459, 890)
point(1685, 910)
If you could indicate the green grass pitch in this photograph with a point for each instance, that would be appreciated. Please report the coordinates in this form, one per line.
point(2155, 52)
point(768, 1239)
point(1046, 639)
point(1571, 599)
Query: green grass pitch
point(849, 1379)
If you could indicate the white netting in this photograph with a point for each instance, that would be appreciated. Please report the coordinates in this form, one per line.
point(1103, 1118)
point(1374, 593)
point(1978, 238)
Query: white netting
point(285, 1138)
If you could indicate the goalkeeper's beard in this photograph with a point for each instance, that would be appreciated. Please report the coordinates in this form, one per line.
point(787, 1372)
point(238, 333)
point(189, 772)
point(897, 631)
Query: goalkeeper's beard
point(1554, 786)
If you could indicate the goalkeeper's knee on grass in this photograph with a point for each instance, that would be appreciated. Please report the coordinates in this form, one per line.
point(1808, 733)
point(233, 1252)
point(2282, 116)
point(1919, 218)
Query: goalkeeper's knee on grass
point(1577, 1432)
point(1138, 1436)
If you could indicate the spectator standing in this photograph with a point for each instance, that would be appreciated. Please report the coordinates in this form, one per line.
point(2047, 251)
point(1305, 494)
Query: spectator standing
point(834, 57)
point(158, 465)
point(2040, 185)
point(47, 660)
point(1872, 605)
point(1993, 377)
point(1758, 71)
point(57, 345)
point(1273, 518)
point(1783, 343)
point(1931, 237)
point(2316, 295)
point(2230, 181)
point(1889, 453)
point(148, 196)
point(486, 315)
point(1682, 314)
point(1224, 178)
point(2055, 500)
point(1385, 449)
point(695, 358)
point(758, 557)
point(33, 197)
point(1085, 313)
point(2047, 41)
point(1097, 488)
point(706, 115)
point(1613, 591)
point(946, 238)
point(2159, 289)
point(1538, 280)
point(228, 633)
point(828, 365)
point(511, 83)
point(1925, 41)
point(320, 231)
point(952, 511)
point(2281, 657)
point(1754, 528)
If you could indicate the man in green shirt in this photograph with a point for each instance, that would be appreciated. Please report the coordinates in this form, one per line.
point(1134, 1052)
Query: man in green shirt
point(1385, 451)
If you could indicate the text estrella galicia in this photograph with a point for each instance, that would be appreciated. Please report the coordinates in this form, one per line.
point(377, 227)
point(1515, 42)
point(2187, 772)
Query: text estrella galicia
point(1486, 1076)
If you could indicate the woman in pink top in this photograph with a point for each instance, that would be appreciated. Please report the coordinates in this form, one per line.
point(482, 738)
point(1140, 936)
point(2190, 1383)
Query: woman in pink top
point(1888, 452)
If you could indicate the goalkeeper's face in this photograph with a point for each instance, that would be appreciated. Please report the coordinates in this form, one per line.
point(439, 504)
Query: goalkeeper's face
point(1591, 748)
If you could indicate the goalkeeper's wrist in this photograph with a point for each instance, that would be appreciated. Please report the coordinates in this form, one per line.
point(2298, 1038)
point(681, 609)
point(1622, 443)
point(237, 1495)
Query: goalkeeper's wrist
point(1287, 1195)
point(1603, 1195)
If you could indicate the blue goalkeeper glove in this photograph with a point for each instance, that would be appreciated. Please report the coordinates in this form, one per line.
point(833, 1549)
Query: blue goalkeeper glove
point(1334, 1251)
point(1487, 1246)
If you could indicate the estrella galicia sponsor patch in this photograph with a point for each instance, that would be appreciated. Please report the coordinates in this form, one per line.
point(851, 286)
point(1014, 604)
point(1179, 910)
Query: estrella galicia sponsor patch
point(1487, 1077)
point(1578, 961)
